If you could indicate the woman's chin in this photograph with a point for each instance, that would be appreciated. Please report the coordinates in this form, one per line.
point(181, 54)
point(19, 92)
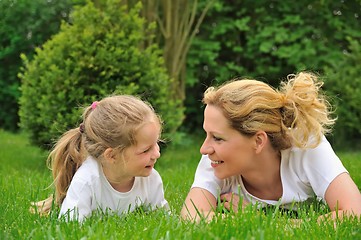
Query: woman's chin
point(221, 176)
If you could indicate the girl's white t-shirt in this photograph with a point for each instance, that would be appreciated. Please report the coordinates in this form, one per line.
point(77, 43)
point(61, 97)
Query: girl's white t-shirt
point(89, 190)
point(305, 173)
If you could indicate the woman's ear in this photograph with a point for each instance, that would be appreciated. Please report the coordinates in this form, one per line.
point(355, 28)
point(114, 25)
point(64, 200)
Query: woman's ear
point(261, 139)
point(109, 155)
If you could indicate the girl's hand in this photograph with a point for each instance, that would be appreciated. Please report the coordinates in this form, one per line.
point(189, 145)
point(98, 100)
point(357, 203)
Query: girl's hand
point(231, 201)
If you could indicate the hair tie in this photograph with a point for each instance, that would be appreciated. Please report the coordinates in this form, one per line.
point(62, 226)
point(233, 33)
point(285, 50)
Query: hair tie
point(94, 105)
point(81, 128)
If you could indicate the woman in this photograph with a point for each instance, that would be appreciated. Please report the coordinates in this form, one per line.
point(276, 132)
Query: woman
point(267, 147)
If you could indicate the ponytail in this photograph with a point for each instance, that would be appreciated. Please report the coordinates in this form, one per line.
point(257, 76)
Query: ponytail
point(305, 112)
point(64, 160)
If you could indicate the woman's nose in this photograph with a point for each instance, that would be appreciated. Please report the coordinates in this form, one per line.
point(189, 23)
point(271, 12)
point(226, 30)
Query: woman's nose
point(206, 148)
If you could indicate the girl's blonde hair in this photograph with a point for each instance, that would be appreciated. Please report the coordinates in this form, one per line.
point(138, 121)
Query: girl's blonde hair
point(109, 123)
point(295, 115)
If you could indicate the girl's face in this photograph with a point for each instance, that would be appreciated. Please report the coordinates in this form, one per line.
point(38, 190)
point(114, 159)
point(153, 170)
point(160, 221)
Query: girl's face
point(230, 152)
point(139, 159)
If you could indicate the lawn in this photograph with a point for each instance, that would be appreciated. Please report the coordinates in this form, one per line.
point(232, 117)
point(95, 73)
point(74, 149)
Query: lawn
point(24, 177)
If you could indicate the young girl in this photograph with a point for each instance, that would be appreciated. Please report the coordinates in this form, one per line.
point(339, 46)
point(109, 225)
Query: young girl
point(107, 163)
point(268, 148)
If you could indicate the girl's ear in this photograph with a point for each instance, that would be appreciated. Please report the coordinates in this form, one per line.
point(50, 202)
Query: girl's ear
point(261, 139)
point(109, 155)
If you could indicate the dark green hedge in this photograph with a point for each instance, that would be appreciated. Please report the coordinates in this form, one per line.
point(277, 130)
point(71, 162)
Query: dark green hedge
point(24, 24)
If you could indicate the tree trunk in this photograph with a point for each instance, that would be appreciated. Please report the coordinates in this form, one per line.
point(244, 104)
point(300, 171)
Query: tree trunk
point(177, 24)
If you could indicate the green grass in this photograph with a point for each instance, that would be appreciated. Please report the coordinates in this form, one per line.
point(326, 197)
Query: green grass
point(24, 177)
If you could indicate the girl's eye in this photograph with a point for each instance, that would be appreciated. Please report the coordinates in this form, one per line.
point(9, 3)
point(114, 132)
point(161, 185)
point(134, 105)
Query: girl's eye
point(147, 150)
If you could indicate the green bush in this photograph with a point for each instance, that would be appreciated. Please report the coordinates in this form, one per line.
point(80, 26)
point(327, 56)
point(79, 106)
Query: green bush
point(102, 52)
point(343, 84)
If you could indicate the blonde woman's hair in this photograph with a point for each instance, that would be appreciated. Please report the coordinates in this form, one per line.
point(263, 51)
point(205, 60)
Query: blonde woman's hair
point(297, 114)
point(109, 123)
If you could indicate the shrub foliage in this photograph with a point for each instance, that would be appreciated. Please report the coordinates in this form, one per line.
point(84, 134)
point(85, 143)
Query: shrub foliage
point(101, 52)
point(343, 81)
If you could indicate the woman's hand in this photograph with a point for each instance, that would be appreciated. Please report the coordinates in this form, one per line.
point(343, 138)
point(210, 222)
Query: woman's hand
point(231, 201)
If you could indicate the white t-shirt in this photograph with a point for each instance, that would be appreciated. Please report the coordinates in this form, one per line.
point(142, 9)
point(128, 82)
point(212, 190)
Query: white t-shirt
point(89, 190)
point(305, 173)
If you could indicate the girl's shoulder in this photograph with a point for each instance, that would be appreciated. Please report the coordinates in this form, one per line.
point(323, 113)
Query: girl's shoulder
point(88, 171)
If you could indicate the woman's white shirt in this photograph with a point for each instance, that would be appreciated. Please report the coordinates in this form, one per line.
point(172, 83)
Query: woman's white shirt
point(305, 173)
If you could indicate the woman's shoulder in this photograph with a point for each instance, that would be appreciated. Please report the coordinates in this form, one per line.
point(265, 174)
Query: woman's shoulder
point(323, 150)
point(320, 158)
point(316, 167)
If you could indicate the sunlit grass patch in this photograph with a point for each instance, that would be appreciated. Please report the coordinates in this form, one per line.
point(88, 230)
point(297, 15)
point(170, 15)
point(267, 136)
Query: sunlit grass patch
point(24, 178)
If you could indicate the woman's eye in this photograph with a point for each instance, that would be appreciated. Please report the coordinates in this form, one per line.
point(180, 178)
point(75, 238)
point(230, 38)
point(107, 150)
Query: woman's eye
point(217, 139)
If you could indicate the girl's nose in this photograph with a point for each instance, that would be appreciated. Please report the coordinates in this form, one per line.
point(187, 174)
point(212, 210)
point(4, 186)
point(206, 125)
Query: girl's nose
point(156, 152)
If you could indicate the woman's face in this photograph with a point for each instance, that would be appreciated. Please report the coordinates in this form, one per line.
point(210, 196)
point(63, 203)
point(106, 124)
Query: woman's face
point(230, 152)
